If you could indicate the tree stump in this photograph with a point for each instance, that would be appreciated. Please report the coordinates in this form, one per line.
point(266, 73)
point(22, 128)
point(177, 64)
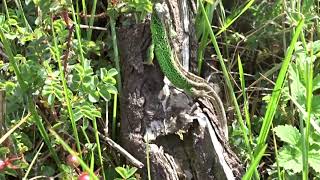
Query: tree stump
point(173, 123)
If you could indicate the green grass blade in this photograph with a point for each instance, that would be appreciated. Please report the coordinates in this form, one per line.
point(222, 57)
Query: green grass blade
point(5, 136)
point(228, 81)
point(31, 105)
point(78, 34)
point(276, 153)
point(20, 9)
point(306, 131)
point(43, 132)
point(6, 8)
point(65, 89)
point(254, 164)
point(225, 26)
point(12, 61)
point(114, 116)
point(202, 31)
point(309, 105)
point(271, 108)
point(70, 151)
point(116, 53)
point(92, 160)
point(93, 12)
point(78, 12)
point(85, 13)
point(245, 99)
point(96, 134)
point(32, 162)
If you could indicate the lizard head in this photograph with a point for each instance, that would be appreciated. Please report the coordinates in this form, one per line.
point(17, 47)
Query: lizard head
point(161, 10)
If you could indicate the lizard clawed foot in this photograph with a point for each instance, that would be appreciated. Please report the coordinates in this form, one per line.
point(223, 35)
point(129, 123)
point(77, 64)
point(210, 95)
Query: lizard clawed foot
point(150, 55)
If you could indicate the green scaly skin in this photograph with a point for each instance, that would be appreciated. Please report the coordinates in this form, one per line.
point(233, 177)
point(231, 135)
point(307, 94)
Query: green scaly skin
point(163, 53)
point(181, 78)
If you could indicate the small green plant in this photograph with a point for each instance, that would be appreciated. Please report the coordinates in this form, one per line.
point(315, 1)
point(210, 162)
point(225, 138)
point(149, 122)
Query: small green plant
point(44, 73)
point(290, 154)
point(126, 173)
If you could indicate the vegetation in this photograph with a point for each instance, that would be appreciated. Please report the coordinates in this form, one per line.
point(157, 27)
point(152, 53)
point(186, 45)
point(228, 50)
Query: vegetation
point(60, 75)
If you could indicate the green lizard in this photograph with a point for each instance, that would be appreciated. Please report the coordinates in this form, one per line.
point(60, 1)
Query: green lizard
point(173, 70)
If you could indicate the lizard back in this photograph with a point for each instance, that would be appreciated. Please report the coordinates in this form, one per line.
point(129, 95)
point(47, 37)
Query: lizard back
point(164, 54)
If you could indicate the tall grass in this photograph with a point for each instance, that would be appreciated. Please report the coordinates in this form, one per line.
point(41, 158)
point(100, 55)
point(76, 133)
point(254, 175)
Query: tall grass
point(96, 134)
point(32, 162)
point(75, 154)
point(248, 137)
point(93, 13)
point(203, 32)
point(65, 89)
point(245, 100)
point(53, 57)
point(306, 129)
point(227, 79)
point(31, 105)
point(275, 97)
point(116, 52)
point(7, 134)
point(117, 65)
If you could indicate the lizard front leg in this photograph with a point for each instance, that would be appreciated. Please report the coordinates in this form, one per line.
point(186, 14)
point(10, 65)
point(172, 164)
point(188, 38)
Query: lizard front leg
point(150, 54)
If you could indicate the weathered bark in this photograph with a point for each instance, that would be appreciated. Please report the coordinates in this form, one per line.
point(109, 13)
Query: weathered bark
point(180, 145)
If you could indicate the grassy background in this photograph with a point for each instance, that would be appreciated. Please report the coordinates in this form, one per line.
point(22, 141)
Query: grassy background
point(59, 69)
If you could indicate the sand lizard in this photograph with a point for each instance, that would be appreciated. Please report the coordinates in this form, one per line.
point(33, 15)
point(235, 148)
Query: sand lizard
point(173, 70)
